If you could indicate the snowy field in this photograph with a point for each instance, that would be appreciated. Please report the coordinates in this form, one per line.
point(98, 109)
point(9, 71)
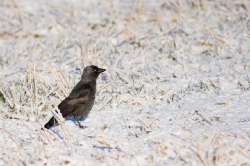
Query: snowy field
point(176, 90)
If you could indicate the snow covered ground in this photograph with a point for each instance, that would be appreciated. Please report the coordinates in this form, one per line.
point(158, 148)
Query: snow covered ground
point(176, 89)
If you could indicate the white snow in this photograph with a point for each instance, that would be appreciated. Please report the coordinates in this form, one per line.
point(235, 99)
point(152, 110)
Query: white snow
point(176, 89)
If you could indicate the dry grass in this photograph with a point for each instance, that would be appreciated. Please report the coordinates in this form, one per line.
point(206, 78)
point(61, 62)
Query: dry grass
point(158, 54)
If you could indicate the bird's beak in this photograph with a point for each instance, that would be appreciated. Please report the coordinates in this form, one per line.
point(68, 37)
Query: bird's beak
point(101, 70)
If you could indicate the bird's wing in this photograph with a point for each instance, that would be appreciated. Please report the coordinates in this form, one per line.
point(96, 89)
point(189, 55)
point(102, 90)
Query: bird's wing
point(67, 108)
point(80, 90)
point(79, 96)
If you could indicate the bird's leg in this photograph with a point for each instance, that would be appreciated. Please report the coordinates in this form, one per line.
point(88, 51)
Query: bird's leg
point(80, 125)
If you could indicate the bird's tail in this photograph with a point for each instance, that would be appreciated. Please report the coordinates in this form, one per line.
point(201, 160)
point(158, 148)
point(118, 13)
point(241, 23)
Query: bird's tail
point(50, 123)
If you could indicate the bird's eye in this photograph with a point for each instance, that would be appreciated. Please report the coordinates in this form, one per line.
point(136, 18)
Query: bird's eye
point(95, 70)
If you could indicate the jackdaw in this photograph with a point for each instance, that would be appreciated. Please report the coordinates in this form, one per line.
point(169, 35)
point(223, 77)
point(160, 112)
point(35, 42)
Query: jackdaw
point(81, 99)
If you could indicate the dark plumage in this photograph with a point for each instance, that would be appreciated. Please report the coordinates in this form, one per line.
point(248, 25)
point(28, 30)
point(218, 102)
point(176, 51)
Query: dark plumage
point(81, 99)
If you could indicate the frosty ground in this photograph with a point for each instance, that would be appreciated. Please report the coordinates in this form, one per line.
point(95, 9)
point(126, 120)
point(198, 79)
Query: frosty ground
point(176, 89)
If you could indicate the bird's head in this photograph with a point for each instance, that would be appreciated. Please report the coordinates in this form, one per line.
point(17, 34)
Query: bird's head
point(91, 72)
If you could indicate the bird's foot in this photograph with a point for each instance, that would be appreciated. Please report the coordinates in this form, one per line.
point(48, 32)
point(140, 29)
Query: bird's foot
point(82, 127)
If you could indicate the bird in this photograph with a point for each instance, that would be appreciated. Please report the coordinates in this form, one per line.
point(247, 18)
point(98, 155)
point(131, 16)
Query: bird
point(81, 99)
